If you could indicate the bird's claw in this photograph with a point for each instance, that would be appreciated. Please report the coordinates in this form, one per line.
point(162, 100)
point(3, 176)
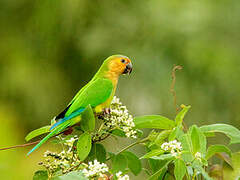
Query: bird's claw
point(106, 111)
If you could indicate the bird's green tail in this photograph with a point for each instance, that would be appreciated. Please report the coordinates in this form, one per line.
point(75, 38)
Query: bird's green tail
point(59, 127)
point(57, 130)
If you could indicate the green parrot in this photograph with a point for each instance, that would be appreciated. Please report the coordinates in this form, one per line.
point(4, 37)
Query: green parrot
point(98, 93)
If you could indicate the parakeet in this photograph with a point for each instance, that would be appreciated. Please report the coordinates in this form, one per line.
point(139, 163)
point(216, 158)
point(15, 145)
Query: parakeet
point(98, 93)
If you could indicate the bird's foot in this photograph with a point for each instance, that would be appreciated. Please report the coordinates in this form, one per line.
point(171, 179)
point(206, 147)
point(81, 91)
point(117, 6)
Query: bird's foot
point(106, 111)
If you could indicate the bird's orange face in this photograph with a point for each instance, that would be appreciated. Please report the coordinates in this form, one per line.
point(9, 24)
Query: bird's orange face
point(120, 65)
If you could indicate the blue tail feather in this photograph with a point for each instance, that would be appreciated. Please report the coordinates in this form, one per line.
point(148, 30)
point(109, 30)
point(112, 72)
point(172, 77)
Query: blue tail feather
point(56, 128)
point(74, 114)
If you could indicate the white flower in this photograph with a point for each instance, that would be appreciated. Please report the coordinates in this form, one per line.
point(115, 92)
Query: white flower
point(69, 142)
point(164, 146)
point(173, 146)
point(198, 155)
point(120, 176)
point(94, 169)
point(120, 118)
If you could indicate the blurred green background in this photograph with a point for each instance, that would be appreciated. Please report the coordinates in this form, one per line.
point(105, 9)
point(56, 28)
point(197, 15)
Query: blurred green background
point(50, 48)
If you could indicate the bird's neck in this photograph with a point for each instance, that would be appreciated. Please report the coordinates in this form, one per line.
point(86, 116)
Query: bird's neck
point(113, 76)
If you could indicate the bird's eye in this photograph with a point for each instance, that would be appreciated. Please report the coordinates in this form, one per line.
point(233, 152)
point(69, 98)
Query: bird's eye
point(123, 60)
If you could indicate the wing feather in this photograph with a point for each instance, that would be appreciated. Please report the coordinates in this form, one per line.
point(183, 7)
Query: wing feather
point(97, 92)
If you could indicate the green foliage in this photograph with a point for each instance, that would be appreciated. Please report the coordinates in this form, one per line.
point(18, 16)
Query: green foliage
point(134, 164)
point(180, 169)
point(190, 160)
point(40, 175)
point(37, 132)
point(173, 152)
point(154, 152)
point(232, 132)
point(119, 163)
point(88, 119)
point(71, 176)
point(153, 121)
point(198, 140)
point(181, 115)
point(161, 171)
point(98, 152)
point(118, 132)
point(214, 149)
point(84, 146)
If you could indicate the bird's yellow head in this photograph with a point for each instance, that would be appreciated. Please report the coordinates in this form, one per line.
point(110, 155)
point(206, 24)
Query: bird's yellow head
point(119, 64)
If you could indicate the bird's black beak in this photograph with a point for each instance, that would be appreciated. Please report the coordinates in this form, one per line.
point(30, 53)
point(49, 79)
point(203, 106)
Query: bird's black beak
point(128, 69)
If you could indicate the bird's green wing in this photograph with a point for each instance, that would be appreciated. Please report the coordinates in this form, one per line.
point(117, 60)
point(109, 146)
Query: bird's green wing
point(79, 92)
point(95, 93)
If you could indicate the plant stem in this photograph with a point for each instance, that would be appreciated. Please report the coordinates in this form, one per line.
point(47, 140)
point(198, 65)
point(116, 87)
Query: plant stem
point(131, 145)
point(100, 128)
point(194, 174)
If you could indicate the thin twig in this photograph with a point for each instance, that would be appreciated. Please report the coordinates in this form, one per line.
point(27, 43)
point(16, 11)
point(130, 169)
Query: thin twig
point(21, 145)
point(27, 144)
point(175, 68)
point(101, 139)
point(131, 145)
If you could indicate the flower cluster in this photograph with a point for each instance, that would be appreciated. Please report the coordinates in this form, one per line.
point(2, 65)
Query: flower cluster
point(64, 161)
point(173, 146)
point(69, 142)
point(95, 169)
point(120, 118)
point(198, 156)
point(120, 176)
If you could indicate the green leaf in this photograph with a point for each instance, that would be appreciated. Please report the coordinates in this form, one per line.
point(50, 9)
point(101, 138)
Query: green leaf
point(167, 176)
point(175, 134)
point(119, 163)
point(40, 175)
point(97, 152)
point(181, 114)
point(88, 119)
point(187, 156)
point(209, 134)
point(163, 168)
point(37, 132)
point(118, 132)
point(163, 157)
point(134, 164)
point(199, 141)
point(153, 121)
point(84, 146)
point(197, 165)
point(155, 165)
point(217, 149)
point(139, 133)
point(232, 132)
point(74, 175)
point(186, 142)
point(161, 137)
point(152, 153)
point(180, 169)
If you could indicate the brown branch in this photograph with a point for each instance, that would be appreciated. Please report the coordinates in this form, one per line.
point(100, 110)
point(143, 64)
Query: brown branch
point(101, 139)
point(32, 143)
point(21, 145)
point(175, 68)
